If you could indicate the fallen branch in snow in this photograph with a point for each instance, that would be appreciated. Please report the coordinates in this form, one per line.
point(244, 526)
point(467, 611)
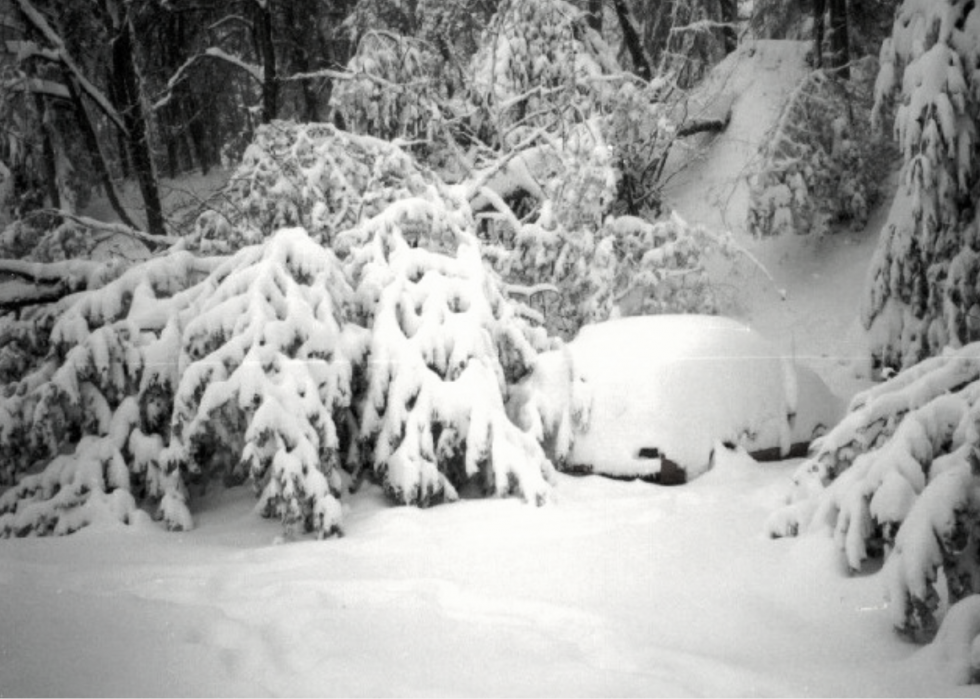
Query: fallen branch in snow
point(49, 272)
point(15, 296)
point(152, 241)
point(702, 125)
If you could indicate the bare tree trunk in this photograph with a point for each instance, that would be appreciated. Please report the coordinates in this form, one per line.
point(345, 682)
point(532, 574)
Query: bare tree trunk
point(118, 101)
point(729, 16)
point(819, 9)
point(47, 153)
point(270, 81)
point(641, 62)
point(95, 152)
point(300, 57)
point(840, 53)
point(128, 87)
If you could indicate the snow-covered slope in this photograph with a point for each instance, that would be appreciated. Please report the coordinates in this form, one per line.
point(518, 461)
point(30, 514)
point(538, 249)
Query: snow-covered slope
point(809, 307)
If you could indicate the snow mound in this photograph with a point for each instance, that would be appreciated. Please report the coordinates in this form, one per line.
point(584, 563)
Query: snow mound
point(646, 396)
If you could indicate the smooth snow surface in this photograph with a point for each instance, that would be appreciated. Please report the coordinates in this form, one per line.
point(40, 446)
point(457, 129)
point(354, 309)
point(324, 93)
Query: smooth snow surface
point(617, 588)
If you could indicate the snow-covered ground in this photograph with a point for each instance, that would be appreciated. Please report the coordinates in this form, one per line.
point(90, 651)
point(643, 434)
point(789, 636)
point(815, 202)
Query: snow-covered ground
point(614, 588)
point(617, 588)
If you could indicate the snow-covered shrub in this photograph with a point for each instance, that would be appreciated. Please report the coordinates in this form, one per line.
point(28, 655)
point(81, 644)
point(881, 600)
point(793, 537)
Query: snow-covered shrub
point(921, 292)
point(265, 370)
point(899, 478)
point(539, 66)
point(637, 127)
point(159, 378)
point(445, 345)
point(310, 175)
point(628, 266)
point(821, 167)
point(79, 392)
point(395, 90)
point(281, 364)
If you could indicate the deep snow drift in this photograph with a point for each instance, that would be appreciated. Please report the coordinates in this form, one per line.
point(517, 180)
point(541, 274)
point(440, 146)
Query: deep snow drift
point(614, 588)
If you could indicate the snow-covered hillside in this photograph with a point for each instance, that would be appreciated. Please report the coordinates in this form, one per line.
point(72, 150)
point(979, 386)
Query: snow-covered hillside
point(613, 588)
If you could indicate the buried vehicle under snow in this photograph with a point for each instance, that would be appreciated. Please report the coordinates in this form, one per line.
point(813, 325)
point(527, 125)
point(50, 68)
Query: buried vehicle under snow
point(650, 397)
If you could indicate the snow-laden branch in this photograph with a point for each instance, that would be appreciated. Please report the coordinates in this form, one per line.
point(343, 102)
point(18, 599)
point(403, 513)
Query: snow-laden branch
point(155, 241)
point(702, 26)
point(254, 71)
point(41, 24)
point(37, 86)
point(50, 272)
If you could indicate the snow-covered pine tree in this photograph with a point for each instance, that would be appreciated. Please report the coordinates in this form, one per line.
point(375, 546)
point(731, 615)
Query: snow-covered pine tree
point(922, 286)
point(445, 345)
point(160, 378)
point(899, 478)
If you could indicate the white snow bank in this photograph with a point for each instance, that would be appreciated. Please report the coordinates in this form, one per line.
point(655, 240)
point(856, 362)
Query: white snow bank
point(619, 589)
point(671, 386)
point(956, 650)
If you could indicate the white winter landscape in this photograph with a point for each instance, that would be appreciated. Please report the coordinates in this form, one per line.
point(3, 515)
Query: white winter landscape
point(751, 578)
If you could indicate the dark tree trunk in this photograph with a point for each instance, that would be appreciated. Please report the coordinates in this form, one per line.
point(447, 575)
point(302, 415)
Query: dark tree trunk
point(301, 58)
point(819, 9)
point(840, 54)
point(128, 87)
point(196, 133)
point(632, 39)
point(95, 151)
point(118, 101)
point(267, 50)
point(48, 159)
point(729, 16)
point(595, 15)
point(657, 23)
point(336, 47)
